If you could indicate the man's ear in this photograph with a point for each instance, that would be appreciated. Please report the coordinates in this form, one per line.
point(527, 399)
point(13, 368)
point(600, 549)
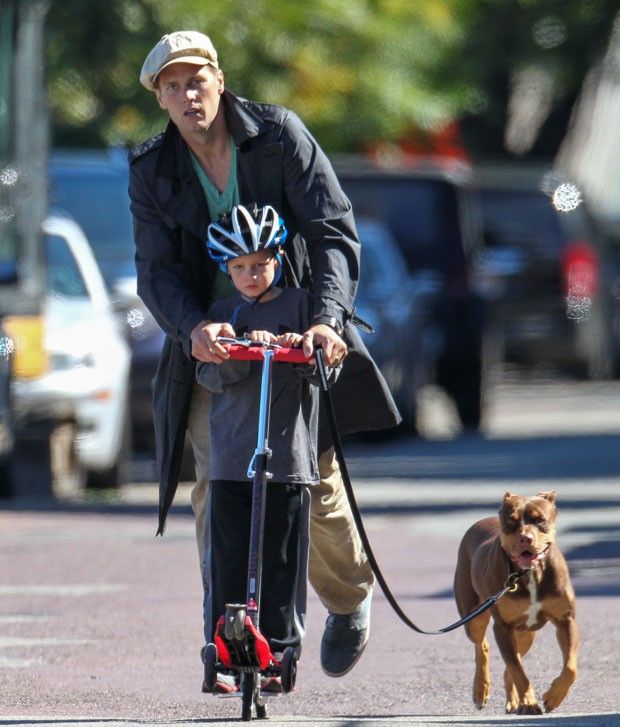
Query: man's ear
point(220, 80)
point(158, 97)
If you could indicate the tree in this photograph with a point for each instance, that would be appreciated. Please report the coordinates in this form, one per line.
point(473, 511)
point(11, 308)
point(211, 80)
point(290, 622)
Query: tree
point(359, 72)
point(527, 61)
point(355, 70)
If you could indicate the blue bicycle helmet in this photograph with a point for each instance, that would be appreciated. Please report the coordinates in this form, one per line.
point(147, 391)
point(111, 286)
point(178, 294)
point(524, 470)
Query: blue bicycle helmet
point(246, 230)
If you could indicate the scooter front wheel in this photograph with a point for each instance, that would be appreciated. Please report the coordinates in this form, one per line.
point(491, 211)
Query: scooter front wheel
point(210, 673)
point(249, 683)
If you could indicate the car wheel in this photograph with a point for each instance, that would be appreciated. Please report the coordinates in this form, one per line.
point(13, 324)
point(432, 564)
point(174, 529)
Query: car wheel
point(463, 382)
point(597, 353)
point(67, 470)
point(408, 408)
point(6, 489)
point(109, 479)
point(112, 477)
point(468, 397)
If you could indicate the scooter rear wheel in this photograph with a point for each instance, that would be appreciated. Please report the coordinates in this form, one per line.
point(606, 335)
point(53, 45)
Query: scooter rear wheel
point(288, 667)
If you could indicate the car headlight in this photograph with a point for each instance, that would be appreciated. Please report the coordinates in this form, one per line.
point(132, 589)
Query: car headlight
point(67, 361)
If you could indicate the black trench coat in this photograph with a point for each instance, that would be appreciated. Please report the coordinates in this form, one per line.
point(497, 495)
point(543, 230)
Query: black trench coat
point(279, 163)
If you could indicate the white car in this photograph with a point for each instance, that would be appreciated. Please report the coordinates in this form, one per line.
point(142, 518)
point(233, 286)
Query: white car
point(86, 377)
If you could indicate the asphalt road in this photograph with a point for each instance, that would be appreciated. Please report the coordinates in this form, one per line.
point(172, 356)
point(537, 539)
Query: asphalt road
point(100, 621)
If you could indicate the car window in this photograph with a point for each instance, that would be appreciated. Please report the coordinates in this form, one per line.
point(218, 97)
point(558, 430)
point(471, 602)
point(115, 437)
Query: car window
point(100, 205)
point(64, 278)
point(421, 213)
point(382, 266)
point(520, 218)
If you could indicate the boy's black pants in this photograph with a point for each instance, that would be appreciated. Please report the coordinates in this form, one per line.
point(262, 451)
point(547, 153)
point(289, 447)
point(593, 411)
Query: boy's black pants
point(230, 507)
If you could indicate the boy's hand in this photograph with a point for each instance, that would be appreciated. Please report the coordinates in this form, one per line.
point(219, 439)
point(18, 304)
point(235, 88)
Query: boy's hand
point(261, 336)
point(205, 346)
point(334, 348)
point(289, 340)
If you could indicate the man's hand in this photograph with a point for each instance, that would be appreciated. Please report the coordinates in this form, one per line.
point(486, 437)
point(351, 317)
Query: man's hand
point(334, 348)
point(204, 341)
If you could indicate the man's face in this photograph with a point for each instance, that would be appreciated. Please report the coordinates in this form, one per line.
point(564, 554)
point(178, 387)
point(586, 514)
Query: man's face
point(191, 95)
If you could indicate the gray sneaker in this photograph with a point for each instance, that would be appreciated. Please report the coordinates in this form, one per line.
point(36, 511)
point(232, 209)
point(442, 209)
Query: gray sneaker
point(344, 639)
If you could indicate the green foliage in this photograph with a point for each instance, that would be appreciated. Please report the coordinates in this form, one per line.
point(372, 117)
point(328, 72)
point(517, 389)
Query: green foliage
point(357, 71)
point(561, 39)
point(94, 54)
point(354, 70)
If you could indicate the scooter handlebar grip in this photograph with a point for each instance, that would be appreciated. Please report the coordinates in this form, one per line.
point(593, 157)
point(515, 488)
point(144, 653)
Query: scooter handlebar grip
point(291, 355)
point(255, 353)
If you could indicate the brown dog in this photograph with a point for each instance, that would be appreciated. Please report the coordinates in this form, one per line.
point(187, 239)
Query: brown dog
point(521, 539)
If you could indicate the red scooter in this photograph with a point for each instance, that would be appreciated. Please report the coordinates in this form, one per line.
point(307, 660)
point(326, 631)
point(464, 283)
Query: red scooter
point(238, 645)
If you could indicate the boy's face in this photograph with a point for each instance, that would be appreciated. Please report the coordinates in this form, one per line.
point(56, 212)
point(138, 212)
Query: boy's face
point(253, 274)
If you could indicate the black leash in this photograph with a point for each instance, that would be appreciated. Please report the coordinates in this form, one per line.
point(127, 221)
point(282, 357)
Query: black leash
point(509, 585)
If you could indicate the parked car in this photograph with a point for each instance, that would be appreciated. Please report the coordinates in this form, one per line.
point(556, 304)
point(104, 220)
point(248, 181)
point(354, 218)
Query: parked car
point(81, 376)
point(549, 268)
point(429, 212)
point(92, 186)
point(398, 306)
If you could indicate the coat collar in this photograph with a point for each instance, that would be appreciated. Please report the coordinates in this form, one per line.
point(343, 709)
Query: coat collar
point(243, 124)
point(187, 205)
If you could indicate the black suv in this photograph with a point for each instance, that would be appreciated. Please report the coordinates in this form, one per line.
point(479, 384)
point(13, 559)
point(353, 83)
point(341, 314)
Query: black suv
point(551, 269)
point(430, 212)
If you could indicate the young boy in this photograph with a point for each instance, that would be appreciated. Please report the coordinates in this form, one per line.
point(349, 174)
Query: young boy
point(248, 246)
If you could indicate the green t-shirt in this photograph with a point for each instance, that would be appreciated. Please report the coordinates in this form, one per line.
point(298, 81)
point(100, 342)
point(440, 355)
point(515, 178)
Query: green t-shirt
point(219, 203)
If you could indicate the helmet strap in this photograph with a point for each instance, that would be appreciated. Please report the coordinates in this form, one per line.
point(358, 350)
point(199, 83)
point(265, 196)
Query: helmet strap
point(255, 301)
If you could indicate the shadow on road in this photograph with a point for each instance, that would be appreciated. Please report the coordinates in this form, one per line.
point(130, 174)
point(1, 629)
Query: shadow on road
point(581, 720)
point(574, 720)
point(595, 564)
point(477, 458)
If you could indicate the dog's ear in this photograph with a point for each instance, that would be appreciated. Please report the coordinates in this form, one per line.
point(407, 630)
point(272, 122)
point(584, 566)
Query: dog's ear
point(508, 495)
point(548, 496)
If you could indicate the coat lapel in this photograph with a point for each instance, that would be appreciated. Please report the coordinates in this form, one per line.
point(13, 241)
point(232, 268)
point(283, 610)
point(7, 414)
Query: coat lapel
point(184, 200)
point(260, 175)
point(259, 171)
point(188, 208)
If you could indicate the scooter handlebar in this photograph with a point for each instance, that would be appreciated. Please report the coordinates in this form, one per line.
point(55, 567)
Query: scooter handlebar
point(241, 352)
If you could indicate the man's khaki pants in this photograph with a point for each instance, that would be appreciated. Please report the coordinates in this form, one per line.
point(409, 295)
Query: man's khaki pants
point(339, 571)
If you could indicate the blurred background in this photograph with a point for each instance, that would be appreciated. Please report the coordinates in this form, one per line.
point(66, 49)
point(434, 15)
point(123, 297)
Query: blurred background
point(477, 140)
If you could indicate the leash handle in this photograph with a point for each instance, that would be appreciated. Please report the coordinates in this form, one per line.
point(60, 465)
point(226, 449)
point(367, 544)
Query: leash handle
point(509, 585)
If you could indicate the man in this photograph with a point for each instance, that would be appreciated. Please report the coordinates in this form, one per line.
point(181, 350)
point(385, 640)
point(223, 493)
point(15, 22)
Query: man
point(219, 150)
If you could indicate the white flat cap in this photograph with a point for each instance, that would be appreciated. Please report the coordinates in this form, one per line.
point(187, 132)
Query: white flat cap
point(182, 46)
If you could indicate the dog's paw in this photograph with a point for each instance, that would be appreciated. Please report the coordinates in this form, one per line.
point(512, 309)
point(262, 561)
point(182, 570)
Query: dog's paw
point(481, 693)
point(529, 709)
point(512, 705)
point(512, 697)
point(554, 696)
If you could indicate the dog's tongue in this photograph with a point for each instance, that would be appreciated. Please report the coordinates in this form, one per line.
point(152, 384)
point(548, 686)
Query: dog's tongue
point(525, 559)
